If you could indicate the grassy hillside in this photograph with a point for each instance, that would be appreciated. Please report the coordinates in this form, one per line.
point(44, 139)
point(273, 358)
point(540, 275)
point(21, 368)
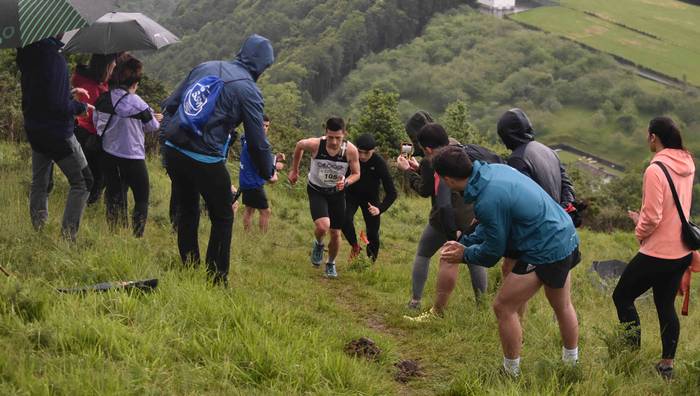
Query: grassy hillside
point(659, 35)
point(281, 327)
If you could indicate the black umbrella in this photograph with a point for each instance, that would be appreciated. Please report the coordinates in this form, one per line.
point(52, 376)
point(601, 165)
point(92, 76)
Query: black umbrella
point(23, 22)
point(119, 31)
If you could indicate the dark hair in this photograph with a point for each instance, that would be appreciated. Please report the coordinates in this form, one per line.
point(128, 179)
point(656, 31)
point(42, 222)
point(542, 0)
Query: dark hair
point(266, 118)
point(433, 136)
point(98, 67)
point(128, 71)
point(452, 161)
point(335, 124)
point(667, 131)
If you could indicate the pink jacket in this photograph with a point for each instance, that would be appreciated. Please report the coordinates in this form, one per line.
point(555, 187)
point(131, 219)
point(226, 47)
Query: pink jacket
point(659, 226)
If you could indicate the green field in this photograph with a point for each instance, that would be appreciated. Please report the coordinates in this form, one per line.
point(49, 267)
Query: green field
point(281, 327)
point(670, 45)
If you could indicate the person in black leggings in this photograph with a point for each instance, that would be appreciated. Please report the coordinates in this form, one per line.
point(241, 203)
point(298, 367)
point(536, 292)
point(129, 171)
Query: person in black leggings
point(365, 195)
point(663, 256)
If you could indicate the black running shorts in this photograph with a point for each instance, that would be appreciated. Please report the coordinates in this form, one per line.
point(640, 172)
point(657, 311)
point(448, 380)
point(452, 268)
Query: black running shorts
point(552, 274)
point(327, 205)
point(255, 198)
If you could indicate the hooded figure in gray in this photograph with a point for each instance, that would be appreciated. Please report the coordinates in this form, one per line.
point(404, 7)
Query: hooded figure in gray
point(534, 159)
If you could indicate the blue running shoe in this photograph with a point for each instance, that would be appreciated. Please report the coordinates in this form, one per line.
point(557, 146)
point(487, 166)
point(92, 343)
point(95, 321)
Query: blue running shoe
point(330, 271)
point(317, 254)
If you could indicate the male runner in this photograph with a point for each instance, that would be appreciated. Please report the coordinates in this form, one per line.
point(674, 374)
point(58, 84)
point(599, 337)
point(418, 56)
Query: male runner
point(331, 157)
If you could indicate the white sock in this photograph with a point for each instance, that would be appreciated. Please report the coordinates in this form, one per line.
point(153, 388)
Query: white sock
point(512, 366)
point(569, 355)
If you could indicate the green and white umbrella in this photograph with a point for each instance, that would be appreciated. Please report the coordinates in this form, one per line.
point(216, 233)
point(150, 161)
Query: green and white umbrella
point(23, 22)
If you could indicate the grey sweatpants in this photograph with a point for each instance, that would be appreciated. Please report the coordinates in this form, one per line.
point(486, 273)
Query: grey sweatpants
point(430, 242)
point(76, 170)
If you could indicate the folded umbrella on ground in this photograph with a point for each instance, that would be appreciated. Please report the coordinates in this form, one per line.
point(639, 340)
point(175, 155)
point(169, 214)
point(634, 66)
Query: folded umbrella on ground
point(117, 32)
point(142, 285)
point(23, 22)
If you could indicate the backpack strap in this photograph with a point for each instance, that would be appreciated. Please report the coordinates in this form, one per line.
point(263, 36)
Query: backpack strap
point(109, 120)
point(673, 191)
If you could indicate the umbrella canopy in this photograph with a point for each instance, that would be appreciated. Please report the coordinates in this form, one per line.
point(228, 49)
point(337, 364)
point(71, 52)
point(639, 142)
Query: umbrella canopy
point(120, 31)
point(23, 22)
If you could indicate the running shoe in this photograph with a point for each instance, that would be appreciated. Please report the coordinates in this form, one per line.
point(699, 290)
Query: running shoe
point(330, 271)
point(425, 317)
point(665, 372)
point(317, 254)
point(413, 304)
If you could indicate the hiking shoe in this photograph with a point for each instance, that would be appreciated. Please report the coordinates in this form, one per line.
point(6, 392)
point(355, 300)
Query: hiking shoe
point(413, 304)
point(425, 317)
point(330, 271)
point(317, 254)
point(666, 372)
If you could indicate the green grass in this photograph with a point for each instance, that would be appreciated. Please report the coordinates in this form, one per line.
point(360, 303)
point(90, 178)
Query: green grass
point(281, 327)
point(673, 49)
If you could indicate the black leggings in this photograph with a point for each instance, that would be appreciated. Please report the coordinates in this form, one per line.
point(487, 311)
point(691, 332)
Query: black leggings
point(371, 222)
point(93, 155)
point(664, 276)
point(120, 175)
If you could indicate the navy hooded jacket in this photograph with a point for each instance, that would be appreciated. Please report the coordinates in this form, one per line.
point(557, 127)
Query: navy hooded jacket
point(48, 109)
point(240, 101)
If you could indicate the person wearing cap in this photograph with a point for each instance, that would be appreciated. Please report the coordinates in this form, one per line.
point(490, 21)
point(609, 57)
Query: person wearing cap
point(365, 195)
point(536, 161)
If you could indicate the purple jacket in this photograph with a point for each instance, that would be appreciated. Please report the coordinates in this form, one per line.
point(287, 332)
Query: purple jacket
point(124, 136)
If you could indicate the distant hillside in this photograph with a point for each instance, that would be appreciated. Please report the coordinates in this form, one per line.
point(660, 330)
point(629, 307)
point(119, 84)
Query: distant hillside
point(573, 95)
point(317, 42)
point(659, 35)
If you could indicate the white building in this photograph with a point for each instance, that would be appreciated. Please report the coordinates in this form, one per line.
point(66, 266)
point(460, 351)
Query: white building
point(499, 4)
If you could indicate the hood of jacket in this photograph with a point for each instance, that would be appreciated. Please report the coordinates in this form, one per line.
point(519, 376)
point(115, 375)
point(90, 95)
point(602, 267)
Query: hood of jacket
point(256, 55)
point(677, 161)
point(480, 177)
point(515, 129)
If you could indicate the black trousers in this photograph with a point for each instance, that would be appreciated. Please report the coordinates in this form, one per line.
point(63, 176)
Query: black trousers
point(120, 175)
point(191, 179)
point(372, 225)
point(93, 155)
point(664, 277)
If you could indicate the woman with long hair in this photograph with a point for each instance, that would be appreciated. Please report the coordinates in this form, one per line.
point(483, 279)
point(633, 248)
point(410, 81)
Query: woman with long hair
point(663, 256)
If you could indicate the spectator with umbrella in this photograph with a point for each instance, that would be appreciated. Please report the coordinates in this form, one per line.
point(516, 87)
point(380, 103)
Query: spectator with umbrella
point(48, 108)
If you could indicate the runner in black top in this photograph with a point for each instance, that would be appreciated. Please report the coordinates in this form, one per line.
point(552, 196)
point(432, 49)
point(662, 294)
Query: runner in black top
point(365, 195)
point(331, 158)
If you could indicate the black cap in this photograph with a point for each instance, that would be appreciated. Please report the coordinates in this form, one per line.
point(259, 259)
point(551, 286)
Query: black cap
point(366, 142)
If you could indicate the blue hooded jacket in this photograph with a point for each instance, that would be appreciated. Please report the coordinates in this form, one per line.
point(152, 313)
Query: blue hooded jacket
point(240, 101)
point(515, 214)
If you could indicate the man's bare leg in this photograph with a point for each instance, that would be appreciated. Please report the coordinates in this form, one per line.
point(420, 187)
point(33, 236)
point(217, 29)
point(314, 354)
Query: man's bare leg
point(507, 268)
point(265, 215)
point(560, 300)
point(248, 218)
point(516, 290)
point(446, 281)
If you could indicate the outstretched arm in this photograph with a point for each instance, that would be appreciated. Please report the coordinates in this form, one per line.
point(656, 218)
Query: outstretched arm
point(310, 145)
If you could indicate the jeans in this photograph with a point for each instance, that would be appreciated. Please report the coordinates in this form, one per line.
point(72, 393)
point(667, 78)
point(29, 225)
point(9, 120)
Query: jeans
point(191, 179)
point(75, 168)
point(122, 174)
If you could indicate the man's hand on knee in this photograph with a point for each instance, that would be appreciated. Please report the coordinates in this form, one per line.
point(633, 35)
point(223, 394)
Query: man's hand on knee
point(452, 252)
